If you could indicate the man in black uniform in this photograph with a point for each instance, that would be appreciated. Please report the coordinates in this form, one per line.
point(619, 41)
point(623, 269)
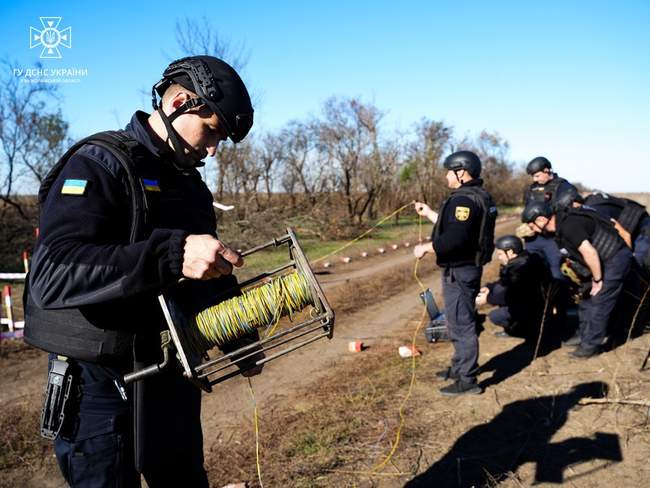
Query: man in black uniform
point(463, 240)
point(545, 185)
point(593, 248)
point(124, 216)
point(520, 292)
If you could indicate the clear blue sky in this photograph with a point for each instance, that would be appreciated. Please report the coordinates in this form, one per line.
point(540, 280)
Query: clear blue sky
point(569, 80)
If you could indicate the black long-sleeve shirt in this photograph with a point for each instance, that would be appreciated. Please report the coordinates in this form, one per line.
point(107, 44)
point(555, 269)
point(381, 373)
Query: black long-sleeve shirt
point(83, 256)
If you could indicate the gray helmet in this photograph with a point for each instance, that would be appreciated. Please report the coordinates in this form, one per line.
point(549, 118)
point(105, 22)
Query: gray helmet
point(534, 210)
point(564, 200)
point(509, 242)
point(540, 163)
point(466, 160)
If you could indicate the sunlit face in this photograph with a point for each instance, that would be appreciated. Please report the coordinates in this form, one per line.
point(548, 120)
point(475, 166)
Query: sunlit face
point(502, 256)
point(452, 181)
point(201, 131)
point(543, 177)
point(199, 128)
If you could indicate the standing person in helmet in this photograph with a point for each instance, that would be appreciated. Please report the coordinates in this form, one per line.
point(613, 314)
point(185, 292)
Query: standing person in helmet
point(463, 240)
point(595, 251)
point(520, 292)
point(124, 216)
point(545, 185)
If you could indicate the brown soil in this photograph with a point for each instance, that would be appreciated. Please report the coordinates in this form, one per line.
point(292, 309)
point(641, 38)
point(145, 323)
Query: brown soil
point(328, 416)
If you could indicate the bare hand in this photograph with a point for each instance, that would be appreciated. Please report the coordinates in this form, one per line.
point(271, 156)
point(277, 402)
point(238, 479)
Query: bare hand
point(596, 287)
point(420, 250)
point(481, 298)
point(205, 257)
point(524, 230)
point(422, 209)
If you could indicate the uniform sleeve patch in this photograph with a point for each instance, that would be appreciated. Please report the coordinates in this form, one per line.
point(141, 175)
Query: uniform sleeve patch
point(74, 187)
point(462, 213)
point(150, 185)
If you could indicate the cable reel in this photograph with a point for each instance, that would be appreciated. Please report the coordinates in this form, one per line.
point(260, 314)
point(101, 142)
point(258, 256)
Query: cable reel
point(288, 290)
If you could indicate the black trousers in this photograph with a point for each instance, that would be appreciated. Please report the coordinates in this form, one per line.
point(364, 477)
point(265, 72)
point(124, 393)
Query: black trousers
point(460, 285)
point(96, 449)
point(595, 312)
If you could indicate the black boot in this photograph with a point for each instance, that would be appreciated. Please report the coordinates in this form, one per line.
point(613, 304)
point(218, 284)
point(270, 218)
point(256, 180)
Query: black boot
point(447, 374)
point(460, 387)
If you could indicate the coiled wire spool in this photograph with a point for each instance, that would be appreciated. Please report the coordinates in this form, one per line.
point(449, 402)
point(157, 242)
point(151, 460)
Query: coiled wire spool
point(259, 307)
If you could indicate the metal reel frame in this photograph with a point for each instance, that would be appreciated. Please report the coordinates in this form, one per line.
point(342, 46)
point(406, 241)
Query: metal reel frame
point(205, 372)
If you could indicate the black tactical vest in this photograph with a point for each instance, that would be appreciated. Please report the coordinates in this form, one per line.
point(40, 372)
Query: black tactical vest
point(630, 213)
point(70, 332)
point(485, 202)
point(605, 239)
point(543, 193)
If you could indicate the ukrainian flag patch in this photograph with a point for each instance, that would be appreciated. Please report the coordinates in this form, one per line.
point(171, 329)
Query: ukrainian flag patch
point(74, 187)
point(150, 185)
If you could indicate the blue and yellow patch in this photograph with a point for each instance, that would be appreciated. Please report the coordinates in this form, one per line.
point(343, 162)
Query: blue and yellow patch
point(74, 187)
point(150, 185)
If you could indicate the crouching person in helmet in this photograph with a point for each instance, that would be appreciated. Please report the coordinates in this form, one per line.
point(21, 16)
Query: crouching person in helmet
point(521, 291)
point(595, 255)
point(463, 240)
point(124, 215)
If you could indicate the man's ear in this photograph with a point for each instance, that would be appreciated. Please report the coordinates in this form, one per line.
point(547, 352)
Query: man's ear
point(179, 99)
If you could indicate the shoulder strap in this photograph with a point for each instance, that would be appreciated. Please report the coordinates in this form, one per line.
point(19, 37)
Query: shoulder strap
point(125, 149)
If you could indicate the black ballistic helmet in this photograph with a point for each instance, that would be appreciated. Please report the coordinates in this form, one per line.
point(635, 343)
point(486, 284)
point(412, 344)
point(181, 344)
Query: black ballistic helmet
point(540, 163)
point(509, 242)
point(564, 200)
point(534, 210)
point(216, 85)
point(466, 160)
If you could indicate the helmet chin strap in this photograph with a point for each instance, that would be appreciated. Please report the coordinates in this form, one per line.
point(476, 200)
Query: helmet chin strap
point(185, 157)
point(457, 178)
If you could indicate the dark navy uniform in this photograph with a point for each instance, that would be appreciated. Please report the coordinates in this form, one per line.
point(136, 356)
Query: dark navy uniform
point(543, 245)
point(456, 241)
point(519, 294)
point(573, 227)
point(84, 261)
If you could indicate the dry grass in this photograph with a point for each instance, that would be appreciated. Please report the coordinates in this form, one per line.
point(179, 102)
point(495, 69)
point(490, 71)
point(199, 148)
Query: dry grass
point(348, 424)
point(20, 444)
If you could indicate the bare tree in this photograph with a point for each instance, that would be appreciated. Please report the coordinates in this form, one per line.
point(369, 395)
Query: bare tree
point(302, 159)
point(32, 136)
point(423, 171)
point(271, 152)
point(499, 174)
point(348, 134)
point(196, 37)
